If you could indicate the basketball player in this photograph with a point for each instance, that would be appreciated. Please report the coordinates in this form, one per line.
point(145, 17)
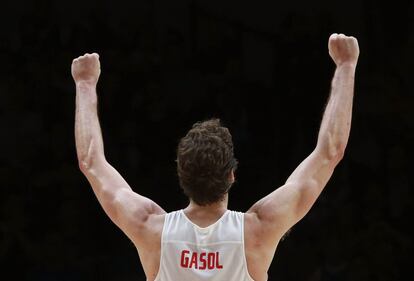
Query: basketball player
point(205, 241)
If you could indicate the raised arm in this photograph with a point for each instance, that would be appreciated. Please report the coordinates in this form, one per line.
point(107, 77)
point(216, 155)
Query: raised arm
point(128, 210)
point(280, 210)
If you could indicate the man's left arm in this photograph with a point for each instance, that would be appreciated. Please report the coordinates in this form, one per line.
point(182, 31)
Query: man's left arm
point(130, 211)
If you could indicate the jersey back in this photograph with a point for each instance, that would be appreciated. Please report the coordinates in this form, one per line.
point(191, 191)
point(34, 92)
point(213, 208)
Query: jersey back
point(193, 253)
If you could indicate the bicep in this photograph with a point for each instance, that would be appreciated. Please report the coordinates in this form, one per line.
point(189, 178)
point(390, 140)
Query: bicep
point(288, 204)
point(127, 209)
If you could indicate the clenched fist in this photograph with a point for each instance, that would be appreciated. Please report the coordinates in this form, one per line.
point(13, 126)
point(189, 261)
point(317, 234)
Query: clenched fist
point(343, 49)
point(86, 68)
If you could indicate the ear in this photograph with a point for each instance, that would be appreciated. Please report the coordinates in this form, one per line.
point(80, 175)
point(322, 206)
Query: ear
point(231, 176)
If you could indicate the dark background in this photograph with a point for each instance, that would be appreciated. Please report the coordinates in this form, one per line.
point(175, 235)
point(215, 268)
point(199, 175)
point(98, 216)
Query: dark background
point(263, 68)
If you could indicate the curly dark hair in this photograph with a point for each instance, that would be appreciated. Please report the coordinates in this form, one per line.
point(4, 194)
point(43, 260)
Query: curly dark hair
point(205, 159)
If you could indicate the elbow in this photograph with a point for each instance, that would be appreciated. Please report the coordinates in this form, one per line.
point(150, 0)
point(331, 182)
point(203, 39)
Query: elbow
point(332, 144)
point(84, 164)
point(87, 163)
point(338, 152)
point(85, 160)
point(334, 152)
point(89, 158)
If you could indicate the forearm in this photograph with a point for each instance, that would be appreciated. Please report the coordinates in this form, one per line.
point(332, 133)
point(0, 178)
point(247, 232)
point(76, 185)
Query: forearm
point(106, 182)
point(125, 208)
point(89, 144)
point(291, 202)
point(336, 123)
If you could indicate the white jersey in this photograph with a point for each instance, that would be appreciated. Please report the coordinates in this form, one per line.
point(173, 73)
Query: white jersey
point(193, 253)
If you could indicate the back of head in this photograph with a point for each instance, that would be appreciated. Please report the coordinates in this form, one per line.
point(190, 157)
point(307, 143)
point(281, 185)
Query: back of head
point(205, 160)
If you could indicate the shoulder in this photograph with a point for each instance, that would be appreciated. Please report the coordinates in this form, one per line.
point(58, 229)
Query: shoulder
point(261, 232)
point(156, 223)
point(149, 232)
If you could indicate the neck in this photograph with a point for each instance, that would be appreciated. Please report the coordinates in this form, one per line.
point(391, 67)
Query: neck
point(204, 216)
point(218, 207)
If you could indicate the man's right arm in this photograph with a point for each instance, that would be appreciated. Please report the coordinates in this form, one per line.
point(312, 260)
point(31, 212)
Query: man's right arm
point(275, 214)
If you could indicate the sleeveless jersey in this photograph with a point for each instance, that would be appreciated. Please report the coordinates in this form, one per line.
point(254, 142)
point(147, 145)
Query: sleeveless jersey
point(193, 253)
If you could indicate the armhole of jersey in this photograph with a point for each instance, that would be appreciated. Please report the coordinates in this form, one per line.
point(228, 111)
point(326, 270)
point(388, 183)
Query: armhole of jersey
point(161, 249)
point(244, 252)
